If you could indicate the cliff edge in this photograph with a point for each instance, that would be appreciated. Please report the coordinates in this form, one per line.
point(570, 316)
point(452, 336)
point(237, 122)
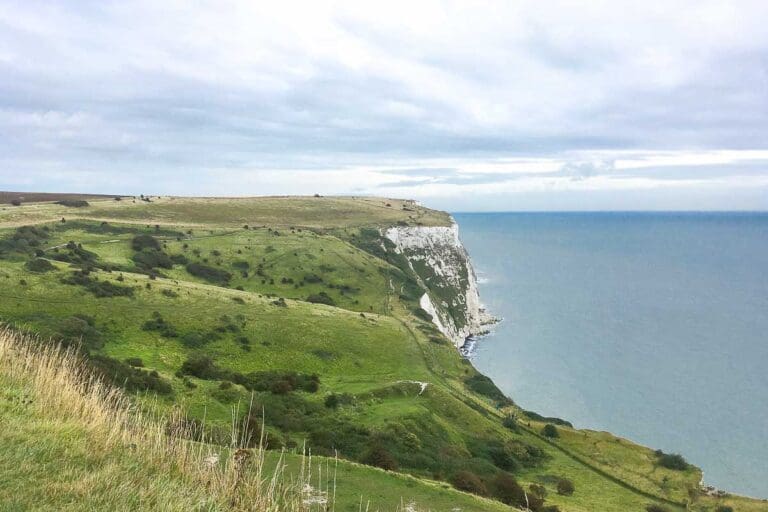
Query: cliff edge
point(442, 265)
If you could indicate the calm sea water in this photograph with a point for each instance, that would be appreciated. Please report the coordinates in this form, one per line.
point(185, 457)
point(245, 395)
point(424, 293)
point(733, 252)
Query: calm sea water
point(652, 326)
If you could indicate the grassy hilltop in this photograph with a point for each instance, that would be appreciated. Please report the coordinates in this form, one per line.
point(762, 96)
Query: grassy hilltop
point(289, 311)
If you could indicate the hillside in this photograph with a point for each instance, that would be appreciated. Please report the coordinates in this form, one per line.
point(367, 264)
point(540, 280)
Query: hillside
point(323, 319)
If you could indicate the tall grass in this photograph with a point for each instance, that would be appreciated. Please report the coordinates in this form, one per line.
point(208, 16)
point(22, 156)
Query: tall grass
point(233, 478)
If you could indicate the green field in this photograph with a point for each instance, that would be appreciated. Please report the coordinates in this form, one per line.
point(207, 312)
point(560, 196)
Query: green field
point(281, 306)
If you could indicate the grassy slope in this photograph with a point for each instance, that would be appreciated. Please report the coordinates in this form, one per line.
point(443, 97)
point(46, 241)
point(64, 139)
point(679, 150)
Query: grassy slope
point(351, 353)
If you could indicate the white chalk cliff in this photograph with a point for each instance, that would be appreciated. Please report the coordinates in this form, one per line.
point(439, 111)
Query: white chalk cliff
point(438, 258)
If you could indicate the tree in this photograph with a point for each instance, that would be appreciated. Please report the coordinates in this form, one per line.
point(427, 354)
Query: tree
point(469, 482)
point(565, 487)
point(550, 431)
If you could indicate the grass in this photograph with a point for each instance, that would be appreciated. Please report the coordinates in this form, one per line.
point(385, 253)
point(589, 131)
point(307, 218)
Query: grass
point(367, 345)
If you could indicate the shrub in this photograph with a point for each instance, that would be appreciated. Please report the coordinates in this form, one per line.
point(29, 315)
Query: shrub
point(508, 491)
point(157, 323)
point(482, 385)
point(656, 508)
point(73, 203)
point(200, 366)
point(672, 461)
point(16, 202)
point(135, 361)
point(147, 259)
point(538, 417)
point(132, 379)
point(538, 490)
point(169, 293)
point(724, 508)
point(80, 329)
point(211, 274)
point(469, 482)
point(550, 431)
point(381, 458)
point(141, 242)
point(510, 422)
point(321, 298)
point(39, 265)
point(195, 339)
point(565, 487)
point(98, 288)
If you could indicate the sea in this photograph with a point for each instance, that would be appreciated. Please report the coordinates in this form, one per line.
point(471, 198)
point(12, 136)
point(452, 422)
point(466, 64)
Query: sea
point(653, 326)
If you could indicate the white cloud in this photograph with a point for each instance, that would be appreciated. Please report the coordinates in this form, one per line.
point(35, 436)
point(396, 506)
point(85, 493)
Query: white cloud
point(506, 97)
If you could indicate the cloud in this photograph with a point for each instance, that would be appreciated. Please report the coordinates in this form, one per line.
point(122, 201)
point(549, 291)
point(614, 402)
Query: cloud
point(438, 98)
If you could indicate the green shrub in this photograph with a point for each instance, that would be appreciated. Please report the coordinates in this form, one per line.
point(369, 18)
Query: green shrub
point(469, 482)
point(550, 431)
point(132, 379)
point(100, 289)
point(538, 490)
point(73, 203)
point(39, 265)
point(79, 329)
point(724, 508)
point(538, 417)
point(510, 422)
point(135, 361)
point(381, 458)
point(482, 385)
point(321, 298)
point(167, 292)
point(158, 324)
point(141, 242)
point(210, 274)
point(147, 259)
point(508, 491)
point(565, 487)
point(672, 461)
point(656, 508)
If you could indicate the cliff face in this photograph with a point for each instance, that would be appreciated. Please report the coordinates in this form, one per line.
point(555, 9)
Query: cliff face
point(443, 267)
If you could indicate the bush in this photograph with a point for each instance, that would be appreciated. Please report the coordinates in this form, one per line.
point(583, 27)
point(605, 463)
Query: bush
point(469, 482)
point(194, 339)
point(169, 293)
point(724, 508)
point(201, 366)
point(538, 417)
point(135, 361)
point(39, 265)
point(672, 461)
point(482, 385)
point(538, 490)
point(141, 242)
point(157, 323)
point(78, 329)
point(550, 431)
point(565, 487)
point(131, 379)
point(16, 202)
point(378, 456)
point(73, 203)
point(147, 259)
point(98, 288)
point(508, 491)
point(510, 422)
point(210, 274)
point(321, 298)
point(656, 508)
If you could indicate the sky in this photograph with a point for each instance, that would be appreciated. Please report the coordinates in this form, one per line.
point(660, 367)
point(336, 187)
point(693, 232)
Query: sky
point(464, 106)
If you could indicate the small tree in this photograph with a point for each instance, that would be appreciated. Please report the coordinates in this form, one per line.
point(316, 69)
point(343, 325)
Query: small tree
point(469, 482)
point(550, 431)
point(565, 487)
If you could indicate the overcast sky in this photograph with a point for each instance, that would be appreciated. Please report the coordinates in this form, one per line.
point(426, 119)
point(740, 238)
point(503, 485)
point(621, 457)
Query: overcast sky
point(463, 105)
